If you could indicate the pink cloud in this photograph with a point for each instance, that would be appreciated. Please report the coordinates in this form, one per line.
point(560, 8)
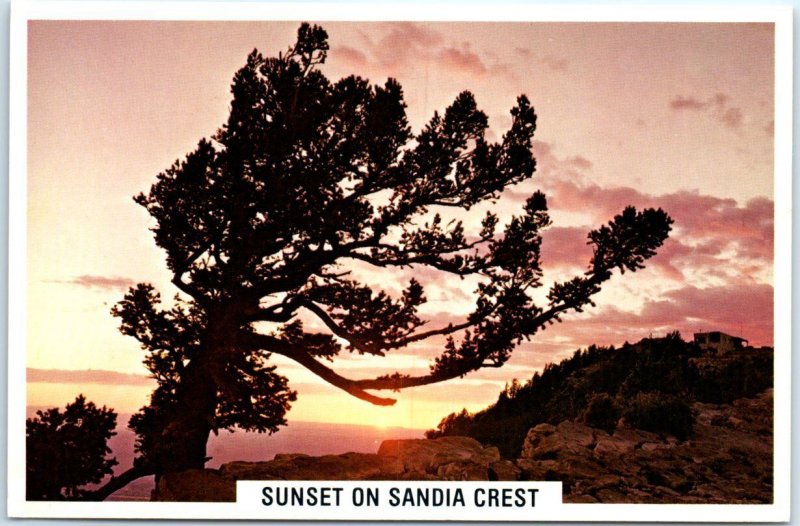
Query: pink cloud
point(99, 282)
point(566, 247)
point(706, 227)
point(712, 235)
point(553, 63)
point(687, 103)
point(580, 162)
point(462, 60)
point(704, 219)
point(409, 32)
point(675, 257)
point(744, 310)
point(350, 55)
point(731, 117)
point(404, 45)
point(701, 216)
point(550, 168)
point(404, 41)
point(717, 106)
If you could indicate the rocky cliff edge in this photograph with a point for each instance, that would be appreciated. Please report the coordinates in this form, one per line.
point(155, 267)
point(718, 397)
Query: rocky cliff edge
point(728, 459)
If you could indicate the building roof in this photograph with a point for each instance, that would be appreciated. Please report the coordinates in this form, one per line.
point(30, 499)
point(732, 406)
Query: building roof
point(697, 334)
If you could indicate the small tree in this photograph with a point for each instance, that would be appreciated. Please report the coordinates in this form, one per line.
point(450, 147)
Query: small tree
point(260, 223)
point(601, 412)
point(66, 451)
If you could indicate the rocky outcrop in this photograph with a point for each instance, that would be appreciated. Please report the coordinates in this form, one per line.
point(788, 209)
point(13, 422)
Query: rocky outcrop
point(728, 459)
point(448, 458)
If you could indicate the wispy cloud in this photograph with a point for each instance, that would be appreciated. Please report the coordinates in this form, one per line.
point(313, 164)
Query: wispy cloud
point(687, 103)
point(401, 46)
point(717, 107)
point(549, 61)
point(350, 55)
point(86, 376)
point(98, 282)
point(462, 60)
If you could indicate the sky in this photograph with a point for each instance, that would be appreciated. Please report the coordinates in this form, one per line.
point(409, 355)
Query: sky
point(678, 116)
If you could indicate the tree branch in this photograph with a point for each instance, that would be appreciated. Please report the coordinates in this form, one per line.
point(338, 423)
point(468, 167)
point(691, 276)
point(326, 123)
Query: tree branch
point(337, 330)
point(183, 286)
point(418, 260)
point(553, 312)
point(117, 483)
point(397, 381)
point(278, 346)
point(280, 312)
point(183, 267)
point(450, 329)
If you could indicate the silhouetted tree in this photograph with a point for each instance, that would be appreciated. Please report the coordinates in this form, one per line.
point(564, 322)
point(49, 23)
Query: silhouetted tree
point(66, 451)
point(260, 222)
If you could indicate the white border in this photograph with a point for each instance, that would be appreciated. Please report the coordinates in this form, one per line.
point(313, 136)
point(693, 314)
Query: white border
point(17, 267)
point(22, 11)
point(361, 12)
point(782, 266)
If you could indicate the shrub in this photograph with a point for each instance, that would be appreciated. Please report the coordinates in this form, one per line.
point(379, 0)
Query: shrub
point(602, 412)
point(660, 413)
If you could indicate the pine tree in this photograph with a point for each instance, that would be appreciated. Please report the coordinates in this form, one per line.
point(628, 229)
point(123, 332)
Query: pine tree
point(260, 222)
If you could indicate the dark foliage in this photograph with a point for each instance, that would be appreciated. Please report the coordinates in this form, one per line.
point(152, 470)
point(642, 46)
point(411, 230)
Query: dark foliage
point(252, 396)
point(651, 383)
point(660, 413)
point(601, 412)
point(721, 381)
point(260, 222)
point(67, 450)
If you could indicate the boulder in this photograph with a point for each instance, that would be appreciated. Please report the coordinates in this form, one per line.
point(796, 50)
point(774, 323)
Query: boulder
point(428, 456)
point(537, 469)
point(613, 446)
point(464, 470)
point(548, 442)
point(535, 436)
point(503, 470)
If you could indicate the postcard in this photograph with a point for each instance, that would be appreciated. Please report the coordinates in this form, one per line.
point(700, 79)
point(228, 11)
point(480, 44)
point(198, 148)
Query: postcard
point(337, 261)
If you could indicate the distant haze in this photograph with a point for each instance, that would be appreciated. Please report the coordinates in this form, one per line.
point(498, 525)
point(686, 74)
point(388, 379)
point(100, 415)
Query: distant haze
point(299, 437)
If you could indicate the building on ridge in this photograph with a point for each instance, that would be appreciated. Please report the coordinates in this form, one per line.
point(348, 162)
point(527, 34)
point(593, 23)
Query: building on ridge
point(719, 341)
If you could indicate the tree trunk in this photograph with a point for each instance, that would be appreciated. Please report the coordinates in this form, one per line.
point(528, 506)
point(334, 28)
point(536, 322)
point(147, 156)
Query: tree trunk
point(184, 439)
